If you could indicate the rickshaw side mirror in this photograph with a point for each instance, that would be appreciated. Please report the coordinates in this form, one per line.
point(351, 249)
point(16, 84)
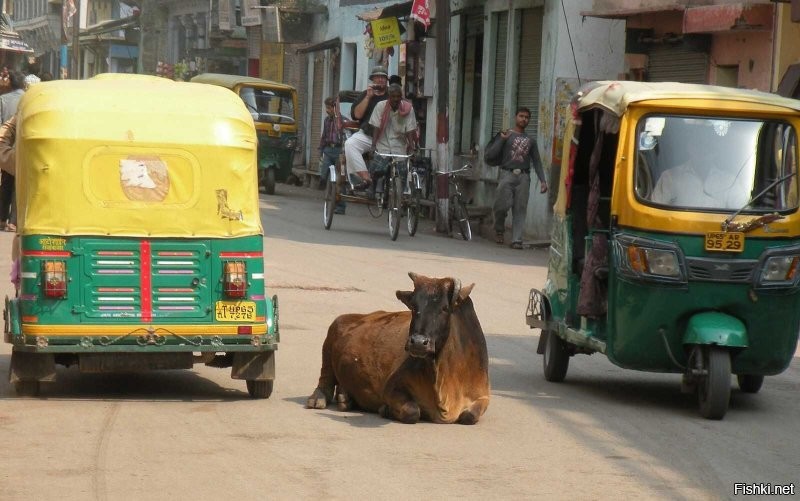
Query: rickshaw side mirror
point(647, 141)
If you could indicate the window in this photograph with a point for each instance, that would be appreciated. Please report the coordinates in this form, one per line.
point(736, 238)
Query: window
point(269, 105)
point(708, 163)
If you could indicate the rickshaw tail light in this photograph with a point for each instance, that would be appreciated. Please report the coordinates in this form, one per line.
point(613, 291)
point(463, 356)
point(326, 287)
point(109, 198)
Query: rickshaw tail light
point(234, 279)
point(54, 279)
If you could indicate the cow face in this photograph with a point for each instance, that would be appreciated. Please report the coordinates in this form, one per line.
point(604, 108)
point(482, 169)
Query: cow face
point(432, 302)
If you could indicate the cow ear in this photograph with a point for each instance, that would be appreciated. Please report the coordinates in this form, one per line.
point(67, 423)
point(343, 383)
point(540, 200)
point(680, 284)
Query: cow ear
point(404, 297)
point(463, 294)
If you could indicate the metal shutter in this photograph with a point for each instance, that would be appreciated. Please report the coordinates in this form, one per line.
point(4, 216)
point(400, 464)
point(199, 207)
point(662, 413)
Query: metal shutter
point(677, 63)
point(530, 56)
point(499, 74)
point(253, 42)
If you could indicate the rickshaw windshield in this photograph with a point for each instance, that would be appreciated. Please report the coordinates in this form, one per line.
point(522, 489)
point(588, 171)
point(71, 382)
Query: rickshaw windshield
point(269, 105)
point(713, 164)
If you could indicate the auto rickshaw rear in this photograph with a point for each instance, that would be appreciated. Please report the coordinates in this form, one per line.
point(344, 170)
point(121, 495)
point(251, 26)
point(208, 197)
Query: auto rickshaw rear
point(139, 233)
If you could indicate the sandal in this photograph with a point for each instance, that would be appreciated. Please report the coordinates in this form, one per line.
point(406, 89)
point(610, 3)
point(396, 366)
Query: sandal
point(363, 186)
point(516, 245)
point(498, 238)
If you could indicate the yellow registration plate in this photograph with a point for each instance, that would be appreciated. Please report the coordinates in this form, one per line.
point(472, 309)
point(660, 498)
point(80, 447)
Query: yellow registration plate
point(235, 311)
point(721, 241)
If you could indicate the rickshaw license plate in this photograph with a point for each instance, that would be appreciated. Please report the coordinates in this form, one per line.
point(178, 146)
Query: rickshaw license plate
point(235, 311)
point(722, 241)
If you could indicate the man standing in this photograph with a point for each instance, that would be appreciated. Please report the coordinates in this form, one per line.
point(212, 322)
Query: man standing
point(330, 146)
point(520, 153)
point(361, 142)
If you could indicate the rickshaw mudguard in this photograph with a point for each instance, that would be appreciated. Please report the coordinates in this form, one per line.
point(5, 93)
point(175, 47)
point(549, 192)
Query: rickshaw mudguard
point(712, 327)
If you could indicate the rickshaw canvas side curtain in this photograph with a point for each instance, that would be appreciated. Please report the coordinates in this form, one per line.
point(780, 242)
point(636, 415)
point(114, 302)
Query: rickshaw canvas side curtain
point(593, 295)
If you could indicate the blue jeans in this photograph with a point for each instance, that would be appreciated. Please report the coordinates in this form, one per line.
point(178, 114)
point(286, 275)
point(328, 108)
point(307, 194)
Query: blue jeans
point(329, 156)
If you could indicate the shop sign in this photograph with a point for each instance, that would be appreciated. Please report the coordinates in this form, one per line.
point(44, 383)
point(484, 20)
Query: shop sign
point(386, 32)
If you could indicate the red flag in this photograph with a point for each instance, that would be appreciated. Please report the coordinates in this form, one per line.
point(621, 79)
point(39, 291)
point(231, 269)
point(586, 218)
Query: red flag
point(421, 12)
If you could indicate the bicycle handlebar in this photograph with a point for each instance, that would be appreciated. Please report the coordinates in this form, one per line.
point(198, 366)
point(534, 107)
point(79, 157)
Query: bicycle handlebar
point(454, 172)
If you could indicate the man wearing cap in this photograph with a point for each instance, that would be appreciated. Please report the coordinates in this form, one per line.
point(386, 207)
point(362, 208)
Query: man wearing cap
point(361, 142)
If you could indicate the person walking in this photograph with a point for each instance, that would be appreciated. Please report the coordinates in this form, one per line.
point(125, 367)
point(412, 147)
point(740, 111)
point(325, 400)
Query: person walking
point(330, 147)
point(8, 109)
point(361, 142)
point(519, 154)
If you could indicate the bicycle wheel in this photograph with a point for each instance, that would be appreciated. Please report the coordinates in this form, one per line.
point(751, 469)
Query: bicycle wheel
point(330, 203)
point(461, 218)
point(412, 212)
point(395, 196)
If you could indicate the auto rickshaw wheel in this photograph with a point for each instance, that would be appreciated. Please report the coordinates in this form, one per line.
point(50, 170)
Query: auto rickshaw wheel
point(260, 389)
point(749, 383)
point(27, 388)
point(269, 182)
point(330, 204)
point(556, 357)
point(714, 388)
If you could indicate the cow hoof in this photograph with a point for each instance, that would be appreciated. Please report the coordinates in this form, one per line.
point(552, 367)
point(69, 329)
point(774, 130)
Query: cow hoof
point(317, 400)
point(343, 401)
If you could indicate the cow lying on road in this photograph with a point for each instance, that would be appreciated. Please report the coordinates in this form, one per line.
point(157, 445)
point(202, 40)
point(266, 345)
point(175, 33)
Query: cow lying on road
point(430, 362)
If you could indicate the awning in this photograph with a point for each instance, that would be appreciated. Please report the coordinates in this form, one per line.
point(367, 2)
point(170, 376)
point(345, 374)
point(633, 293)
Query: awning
point(327, 44)
point(625, 13)
point(402, 9)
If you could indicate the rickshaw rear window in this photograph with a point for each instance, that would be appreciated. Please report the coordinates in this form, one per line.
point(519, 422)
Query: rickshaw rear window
point(269, 105)
point(716, 164)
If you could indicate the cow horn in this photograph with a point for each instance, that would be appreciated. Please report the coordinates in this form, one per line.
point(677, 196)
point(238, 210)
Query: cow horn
point(413, 276)
point(456, 291)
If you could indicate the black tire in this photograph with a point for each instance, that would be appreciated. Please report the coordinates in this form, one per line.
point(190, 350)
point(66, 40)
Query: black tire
point(714, 389)
point(412, 212)
point(461, 219)
point(749, 383)
point(259, 389)
point(556, 357)
point(27, 388)
point(269, 182)
point(395, 195)
point(329, 205)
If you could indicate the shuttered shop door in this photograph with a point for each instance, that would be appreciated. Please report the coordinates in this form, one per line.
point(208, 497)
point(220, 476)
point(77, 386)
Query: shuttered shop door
point(499, 74)
point(530, 56)
point(316, 109)
point(677, 64)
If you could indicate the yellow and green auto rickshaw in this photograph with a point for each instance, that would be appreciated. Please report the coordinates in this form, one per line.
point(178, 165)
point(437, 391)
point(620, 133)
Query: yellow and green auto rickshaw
point(676, 236)
point(139, 236)
point(273, 107)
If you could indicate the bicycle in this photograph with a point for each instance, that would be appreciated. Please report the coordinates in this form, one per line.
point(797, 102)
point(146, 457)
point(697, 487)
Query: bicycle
point(457, 207)
point(390, 193)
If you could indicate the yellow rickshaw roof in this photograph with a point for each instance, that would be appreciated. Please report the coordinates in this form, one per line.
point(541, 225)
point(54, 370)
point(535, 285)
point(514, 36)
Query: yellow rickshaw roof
point(131, 155)
point(616, 96)
point(232, 81)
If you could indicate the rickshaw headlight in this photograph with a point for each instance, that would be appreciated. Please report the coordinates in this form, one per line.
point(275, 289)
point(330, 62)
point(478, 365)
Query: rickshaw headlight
point(780, 269)
point(654, 261)
point(662, 262)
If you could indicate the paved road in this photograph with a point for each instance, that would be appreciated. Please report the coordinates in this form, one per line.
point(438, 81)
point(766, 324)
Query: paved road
point(605, 433)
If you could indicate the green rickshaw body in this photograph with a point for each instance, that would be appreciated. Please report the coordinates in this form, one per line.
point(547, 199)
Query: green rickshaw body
point(273, 106)
point(676, 235)
point(139, 243)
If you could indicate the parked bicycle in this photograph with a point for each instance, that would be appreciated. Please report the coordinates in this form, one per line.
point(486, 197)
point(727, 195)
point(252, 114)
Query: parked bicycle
point(458, 216)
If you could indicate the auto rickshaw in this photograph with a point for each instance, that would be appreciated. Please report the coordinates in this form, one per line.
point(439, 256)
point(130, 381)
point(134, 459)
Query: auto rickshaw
point(139, 236)
point(676, 236)
point(273, 106)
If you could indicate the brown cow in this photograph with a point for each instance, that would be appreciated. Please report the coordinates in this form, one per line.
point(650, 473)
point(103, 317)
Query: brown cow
point(430, 362)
